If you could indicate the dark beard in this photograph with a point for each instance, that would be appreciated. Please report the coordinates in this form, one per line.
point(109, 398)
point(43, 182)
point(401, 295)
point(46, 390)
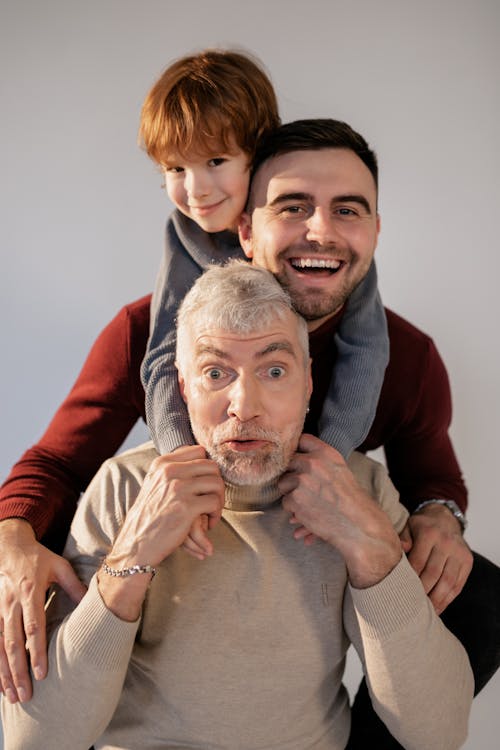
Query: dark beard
point(313, 306)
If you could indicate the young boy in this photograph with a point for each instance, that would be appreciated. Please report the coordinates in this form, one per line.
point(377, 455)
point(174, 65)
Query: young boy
point(201, 123)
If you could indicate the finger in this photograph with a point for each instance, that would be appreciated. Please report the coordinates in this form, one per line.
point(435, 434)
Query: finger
point(446, 584)
point(16, 681)
point(300, 533)
point(451, 583)
point(192, 549)
point(433, 570)
point(35, 633)
point(198, 535)
point(406, 539)
point(310, 539)
point(288, 482)
point(67, 579)
point(6, 681)
point(420, 552)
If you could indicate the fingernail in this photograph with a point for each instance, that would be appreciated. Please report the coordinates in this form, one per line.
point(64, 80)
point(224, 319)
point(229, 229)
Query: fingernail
point(21, 692)
point(38, 673)
point(11, 695)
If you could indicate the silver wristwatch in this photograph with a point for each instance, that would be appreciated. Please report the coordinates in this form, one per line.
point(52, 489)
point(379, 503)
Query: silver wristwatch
point(450, 504)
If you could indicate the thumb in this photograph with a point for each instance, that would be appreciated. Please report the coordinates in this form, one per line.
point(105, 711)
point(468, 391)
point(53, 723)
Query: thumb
point(406, 539)
point(67, 579)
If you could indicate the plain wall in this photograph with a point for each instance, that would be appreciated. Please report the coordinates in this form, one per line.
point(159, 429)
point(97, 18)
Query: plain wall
point(82, 210)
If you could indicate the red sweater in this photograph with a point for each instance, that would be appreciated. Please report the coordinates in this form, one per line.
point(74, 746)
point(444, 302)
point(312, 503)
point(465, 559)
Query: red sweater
point(107, 399)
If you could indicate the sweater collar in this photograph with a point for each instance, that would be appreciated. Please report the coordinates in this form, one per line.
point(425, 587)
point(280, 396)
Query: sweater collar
point(251, 498)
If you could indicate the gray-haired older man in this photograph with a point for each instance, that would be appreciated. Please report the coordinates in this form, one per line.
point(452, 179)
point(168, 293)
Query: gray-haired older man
point(245, 648)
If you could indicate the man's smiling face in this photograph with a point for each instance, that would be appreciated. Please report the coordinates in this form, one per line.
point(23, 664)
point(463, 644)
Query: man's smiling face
point(313, 223)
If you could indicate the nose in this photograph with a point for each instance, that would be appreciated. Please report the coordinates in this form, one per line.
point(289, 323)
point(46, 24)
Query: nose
point(244, 399)
point(196, 183)
point(321, 227)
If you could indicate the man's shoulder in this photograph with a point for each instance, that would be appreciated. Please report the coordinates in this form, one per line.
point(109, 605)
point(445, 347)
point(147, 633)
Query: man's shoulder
point(124, 474)
point(373, 477)
point(400, 328)
point(137, 459)
point(369, 473)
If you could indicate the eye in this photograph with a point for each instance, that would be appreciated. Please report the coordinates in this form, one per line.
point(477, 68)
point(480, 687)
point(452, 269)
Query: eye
point(293, 210)
point(275, 372)
point(214, 373)
point(343, 211)
point(174, 170)
point(216, 161)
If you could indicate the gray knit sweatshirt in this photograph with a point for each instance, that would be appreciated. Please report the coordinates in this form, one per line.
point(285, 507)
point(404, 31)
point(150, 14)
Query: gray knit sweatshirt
point(362, 345)
point(245, 650)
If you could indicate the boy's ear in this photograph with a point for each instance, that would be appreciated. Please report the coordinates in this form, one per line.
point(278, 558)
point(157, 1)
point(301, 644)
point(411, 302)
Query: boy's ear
point(245, 234)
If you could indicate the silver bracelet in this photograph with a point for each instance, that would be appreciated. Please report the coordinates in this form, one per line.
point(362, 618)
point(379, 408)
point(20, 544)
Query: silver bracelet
point(452, 507)
point(124, 572)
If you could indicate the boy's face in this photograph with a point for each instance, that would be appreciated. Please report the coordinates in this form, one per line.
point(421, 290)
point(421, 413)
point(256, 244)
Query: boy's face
point(210, 189)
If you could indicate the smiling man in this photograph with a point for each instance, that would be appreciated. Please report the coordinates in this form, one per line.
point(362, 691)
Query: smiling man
point(245, 649)
point(312, 217)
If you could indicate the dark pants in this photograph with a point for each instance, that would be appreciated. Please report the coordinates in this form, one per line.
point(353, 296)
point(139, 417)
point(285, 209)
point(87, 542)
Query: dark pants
point(474, 617)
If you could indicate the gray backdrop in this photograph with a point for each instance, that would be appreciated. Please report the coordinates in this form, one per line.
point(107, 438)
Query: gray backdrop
point(83, 213)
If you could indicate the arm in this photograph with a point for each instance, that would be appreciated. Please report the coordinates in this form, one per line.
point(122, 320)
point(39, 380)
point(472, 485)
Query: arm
point(166, 412)
point(418, 674)
point(362, 355)
point(44, 486)
point(399, 637)
point(188, 252)
point(416, 404)
point(90, 649)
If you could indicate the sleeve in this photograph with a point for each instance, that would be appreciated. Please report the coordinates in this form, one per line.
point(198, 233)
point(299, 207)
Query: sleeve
point(420, 455)
point(43, 487)
point(89, 648)
point(418, 674)
point(362, 344)
point(166, 412)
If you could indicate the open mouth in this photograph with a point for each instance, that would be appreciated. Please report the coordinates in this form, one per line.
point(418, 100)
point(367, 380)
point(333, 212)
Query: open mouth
point(316, 266)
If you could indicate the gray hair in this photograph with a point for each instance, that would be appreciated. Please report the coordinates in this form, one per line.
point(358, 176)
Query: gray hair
point(237, 297)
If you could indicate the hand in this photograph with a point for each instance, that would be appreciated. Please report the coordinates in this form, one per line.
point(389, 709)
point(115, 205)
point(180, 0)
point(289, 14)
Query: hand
point(178, 489)
point(27, 569)
point(322, 495)
point(438, 553)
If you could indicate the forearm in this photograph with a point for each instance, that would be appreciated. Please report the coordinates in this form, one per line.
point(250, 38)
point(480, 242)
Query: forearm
point(418, 673)
point(88, 658)
point(166, 412)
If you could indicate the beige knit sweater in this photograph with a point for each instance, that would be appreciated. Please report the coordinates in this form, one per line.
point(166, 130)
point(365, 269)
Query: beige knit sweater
point(245, 650)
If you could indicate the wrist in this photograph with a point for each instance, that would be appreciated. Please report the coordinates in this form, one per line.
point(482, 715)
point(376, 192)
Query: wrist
point(449, 507)
point(124, 597)
point(17, 530)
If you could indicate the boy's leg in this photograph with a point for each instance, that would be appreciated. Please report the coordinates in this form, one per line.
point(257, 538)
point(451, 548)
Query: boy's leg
point(474, 617)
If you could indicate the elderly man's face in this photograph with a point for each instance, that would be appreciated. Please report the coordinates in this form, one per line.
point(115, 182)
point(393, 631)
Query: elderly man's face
point(247, 397)
point(313, 223)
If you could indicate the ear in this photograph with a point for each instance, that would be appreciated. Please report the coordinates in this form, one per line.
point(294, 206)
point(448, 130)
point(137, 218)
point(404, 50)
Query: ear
point(182, 384)
point(309, 383)
point(245, 234)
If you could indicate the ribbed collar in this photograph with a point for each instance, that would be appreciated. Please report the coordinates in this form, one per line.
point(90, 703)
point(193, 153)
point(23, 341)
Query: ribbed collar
point(251, 498)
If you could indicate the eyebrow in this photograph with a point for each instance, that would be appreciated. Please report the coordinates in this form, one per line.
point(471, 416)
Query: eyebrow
point(274, 346)
point(349, 198)
point(354, 198)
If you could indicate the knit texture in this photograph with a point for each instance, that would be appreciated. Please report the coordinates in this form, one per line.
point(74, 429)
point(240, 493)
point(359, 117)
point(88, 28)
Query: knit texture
point(244, 650)
point(361, 341)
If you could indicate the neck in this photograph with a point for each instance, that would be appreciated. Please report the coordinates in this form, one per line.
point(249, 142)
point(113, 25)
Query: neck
point(251, 497)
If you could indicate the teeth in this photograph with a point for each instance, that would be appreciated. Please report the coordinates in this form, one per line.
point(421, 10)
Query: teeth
point(315, 263)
